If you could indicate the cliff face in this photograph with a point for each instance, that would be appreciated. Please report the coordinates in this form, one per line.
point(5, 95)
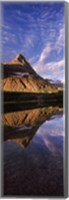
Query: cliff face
point(19, 76)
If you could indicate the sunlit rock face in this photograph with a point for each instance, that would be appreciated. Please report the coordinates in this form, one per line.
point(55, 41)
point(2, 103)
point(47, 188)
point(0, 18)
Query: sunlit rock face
point(19, 76)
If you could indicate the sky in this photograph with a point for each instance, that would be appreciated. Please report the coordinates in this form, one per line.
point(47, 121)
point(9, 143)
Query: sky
point(36, 30)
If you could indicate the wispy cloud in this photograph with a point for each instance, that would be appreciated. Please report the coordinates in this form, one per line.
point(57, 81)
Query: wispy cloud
point(50, 66)
point(45, 53)
point(60, 42)
point(43, 56)
point(29, 41)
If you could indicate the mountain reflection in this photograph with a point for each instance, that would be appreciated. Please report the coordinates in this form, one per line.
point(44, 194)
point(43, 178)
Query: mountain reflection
point(21, 126)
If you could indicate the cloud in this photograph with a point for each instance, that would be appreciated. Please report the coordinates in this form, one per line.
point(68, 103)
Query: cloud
point(28, 41)
point(32, 59)
point(49, 69)
point(18, 12)
point(43, 56)
point(55, 65)
point(53, 47)
point(6, 27)
point(52, 66)
point(60, 43)
point(45, 53)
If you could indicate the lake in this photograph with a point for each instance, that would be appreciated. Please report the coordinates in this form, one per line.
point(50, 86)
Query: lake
point(34, 152)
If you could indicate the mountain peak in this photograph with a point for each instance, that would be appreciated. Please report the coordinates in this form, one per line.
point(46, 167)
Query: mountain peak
point(20, 58)
point(18, 65)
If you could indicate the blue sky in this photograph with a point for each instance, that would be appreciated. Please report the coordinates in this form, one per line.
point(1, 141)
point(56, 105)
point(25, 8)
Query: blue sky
point(37, 31)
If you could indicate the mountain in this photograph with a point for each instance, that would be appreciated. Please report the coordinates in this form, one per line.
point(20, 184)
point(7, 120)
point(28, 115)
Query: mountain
point(56, 83)
point(19, 76)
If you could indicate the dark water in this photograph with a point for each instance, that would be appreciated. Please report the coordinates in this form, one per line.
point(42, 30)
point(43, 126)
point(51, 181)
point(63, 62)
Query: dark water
point(34, 152)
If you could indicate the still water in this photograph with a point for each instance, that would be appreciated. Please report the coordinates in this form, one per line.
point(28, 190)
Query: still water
point(34, 152)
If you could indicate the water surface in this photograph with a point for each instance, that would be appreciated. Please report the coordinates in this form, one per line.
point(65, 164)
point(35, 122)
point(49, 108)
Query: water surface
point(34, 152)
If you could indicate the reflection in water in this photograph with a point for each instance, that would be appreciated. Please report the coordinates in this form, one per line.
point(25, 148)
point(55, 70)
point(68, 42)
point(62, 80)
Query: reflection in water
point(38, 168)
point(22, 126)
